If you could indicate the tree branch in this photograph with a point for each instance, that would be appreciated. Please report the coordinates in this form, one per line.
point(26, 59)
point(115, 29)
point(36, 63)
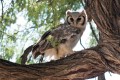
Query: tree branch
point(70, 67)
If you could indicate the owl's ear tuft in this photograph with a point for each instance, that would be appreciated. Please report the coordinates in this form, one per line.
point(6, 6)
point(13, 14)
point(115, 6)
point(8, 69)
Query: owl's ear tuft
point(68, 12)
point(83, 12)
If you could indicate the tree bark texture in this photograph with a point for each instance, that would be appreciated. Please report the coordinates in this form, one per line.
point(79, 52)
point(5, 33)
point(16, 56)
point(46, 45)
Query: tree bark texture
point(83, 64)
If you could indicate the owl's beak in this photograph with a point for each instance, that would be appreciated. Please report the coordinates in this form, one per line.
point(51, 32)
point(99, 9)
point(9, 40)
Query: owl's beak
point(75, 23)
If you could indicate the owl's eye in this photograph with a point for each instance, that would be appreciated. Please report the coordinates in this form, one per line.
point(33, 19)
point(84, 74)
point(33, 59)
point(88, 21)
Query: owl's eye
point(79, 19)
point(72, 19)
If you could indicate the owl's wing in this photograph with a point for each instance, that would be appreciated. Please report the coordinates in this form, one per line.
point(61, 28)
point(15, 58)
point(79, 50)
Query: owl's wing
point(53, 38)
point(41, 45)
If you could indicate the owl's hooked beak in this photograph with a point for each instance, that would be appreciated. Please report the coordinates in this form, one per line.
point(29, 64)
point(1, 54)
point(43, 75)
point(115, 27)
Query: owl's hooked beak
point(75, 23)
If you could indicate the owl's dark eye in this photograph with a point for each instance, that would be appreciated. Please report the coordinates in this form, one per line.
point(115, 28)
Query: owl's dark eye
point(72, 19)
point(79, 19)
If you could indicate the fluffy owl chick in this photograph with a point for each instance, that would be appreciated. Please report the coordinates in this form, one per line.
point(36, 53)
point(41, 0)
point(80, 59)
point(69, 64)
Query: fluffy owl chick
point(60, 41)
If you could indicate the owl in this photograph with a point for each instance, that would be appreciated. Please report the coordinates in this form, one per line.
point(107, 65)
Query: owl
point(60, 41)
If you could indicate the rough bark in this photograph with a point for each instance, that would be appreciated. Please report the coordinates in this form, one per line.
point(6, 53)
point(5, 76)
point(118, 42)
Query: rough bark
point(83, 64)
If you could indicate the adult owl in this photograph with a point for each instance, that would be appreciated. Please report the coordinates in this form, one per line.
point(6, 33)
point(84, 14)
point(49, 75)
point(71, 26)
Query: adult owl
point(60, 41)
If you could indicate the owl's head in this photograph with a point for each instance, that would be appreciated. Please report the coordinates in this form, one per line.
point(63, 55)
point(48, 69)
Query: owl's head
point(76, 19)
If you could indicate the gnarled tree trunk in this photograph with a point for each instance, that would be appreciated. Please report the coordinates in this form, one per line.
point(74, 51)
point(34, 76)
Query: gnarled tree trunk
point(83, 64)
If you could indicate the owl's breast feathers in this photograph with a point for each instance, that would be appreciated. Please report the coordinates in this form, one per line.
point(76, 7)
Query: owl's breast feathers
point(53, 39)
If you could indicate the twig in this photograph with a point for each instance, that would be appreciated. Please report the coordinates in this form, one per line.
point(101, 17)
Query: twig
point(2, 8)
point(93, 32)
point(81, 43)
point(6, 34)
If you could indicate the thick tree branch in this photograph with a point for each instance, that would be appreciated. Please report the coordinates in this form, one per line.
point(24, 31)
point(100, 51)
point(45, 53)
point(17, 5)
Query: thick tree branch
point(69, 68)
point(84, 64)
